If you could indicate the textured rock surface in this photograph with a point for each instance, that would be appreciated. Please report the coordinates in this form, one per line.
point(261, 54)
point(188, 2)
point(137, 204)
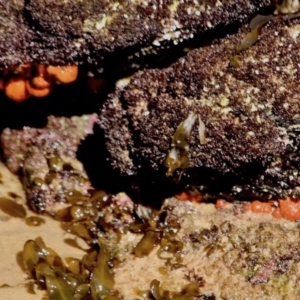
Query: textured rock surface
point(226, 254)
point(250, 114)
point(46, 158)
point(57, 32)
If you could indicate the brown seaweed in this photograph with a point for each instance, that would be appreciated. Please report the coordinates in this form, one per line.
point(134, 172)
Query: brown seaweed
point(12, 208)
